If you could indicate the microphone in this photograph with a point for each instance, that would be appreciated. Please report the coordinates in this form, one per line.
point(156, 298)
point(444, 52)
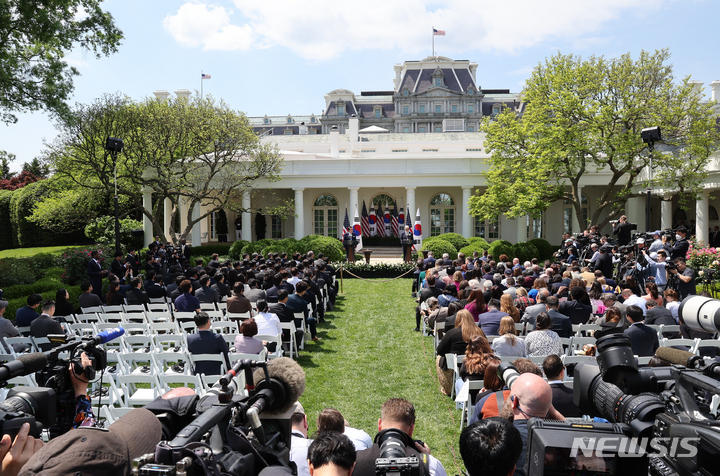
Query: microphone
point(678, 357)
point(24, 365)
point(104, 337)
point(279, 394)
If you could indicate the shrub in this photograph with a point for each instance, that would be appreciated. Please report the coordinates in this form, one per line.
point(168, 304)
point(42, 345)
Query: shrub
point(22, 291)
point(102, 231)
point(75, 264)
point(524, 251)
point(481, 241)
point(327, 245)
point(455, 239)
point(55, 272)
point(236, 249)
point(545, 249)
point(439, 247)
point(14, 271)
point(26, 233)
point(473, 247)
point(287, 245)
point(256, 246)
point(500, 247)
point(208, 250)
point(6, 238)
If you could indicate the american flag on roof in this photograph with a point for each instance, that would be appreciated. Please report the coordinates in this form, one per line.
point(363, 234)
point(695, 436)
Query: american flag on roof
point(438, 32)
point(380, 226)
point(346, 224)
point(206, 76)
point(394, 220)
point(365, 220)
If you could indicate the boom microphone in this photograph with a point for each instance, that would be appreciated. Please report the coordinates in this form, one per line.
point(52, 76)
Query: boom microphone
point(105, 336)
point(678, 357)
point(24, 365)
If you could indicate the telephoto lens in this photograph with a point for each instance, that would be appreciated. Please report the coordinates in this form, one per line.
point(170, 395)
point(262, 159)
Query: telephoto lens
point(701, 313)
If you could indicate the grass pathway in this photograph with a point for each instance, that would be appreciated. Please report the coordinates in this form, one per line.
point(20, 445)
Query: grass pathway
point(368, 354)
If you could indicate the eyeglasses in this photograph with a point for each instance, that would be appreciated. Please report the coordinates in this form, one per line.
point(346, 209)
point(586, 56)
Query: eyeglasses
point(526, 413)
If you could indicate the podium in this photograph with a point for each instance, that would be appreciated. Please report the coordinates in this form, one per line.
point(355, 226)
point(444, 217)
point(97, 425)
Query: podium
point(407, 251)
point(349, 246)
point(351, 254)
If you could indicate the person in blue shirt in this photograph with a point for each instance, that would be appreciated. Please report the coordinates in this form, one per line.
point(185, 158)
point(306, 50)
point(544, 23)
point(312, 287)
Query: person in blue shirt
point(26, 314)
point(186, 302)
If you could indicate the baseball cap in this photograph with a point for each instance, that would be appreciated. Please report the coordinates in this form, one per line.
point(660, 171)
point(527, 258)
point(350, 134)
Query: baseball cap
point(4, 304)
point(657, 232)
point(640, 241)
point(569, 240)
point(299, 408)
point(87, 451)
point(508, 271)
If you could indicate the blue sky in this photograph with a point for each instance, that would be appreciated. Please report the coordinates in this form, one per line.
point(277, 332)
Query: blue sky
point(281, 56)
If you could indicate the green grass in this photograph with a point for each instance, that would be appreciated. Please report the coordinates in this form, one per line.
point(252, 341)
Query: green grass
point(369, 353)
point(26, 252)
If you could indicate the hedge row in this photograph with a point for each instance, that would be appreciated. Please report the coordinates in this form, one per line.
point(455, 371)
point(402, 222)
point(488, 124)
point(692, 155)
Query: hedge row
point(329, 246)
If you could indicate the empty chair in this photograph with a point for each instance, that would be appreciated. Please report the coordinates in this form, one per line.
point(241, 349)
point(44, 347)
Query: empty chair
point(207, 306)
point(170, 381)
point(138, 343)
point(137, 363)
point(159, 300)
point(136, 317)
point(88, 317)
point(19, 345)
point(129, 308)
point(691, 343)
point(169, 342)
point(171, 363)
point(112, 414)
point(82, 329)
point(222, 306)
point(164, 327)
point(261, 357)
point(188, 327)
point(184, 316)
point(158, 316)
point(292, 343)
point(111, 317)
point(209, 359)
point(225, 327)
point(160, 306)
point(133, 394)
point(132, 328)
point(112, 309)
point(92, 310)
point(217, 315)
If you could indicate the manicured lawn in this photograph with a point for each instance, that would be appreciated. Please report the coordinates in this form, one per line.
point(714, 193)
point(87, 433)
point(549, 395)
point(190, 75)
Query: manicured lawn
point(368, 354)
point(25, 252)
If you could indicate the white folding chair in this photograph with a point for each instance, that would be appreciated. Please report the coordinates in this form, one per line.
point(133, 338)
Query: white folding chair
point(188, 327)
point(574, 359)
point(111, 318)
point(134, 317)
point(218, 315)
point(293, 345)
point(464, 397)
point(436, 332)
point(537, 359)
point(170, 381)
point(158, 316)
point(707, 343)
point(25, 330)
point(164, 361)
point(225, 327)
point(577, 343)
point(453, 363)
point(520, 328)
point(207, 306)
point(669, 328)
point(222, 306)
point(197, 358)
point(137, 363)
point(186, 316)
point(91, 317)
point(27, 342)
point(691, 343)
point(132, 394)
point(138, 343)
point(643, 360)
point(134, 328)
point(83, 329)
point(278, 341)
point(160, 300)
point(235, 356)
point(92, 310)
point(160, 306)
point(111, 309)
point(166, 342)
point(168, 327)
point(589, 328)
point(130, 308)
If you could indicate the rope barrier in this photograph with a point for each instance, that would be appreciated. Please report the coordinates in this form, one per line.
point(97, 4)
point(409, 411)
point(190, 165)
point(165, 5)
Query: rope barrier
point(373, 280)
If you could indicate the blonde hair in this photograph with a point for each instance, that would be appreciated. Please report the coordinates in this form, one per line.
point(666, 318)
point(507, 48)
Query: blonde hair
point(507, 329)
point(507, 306)
point(521, 292)
point(469, 328)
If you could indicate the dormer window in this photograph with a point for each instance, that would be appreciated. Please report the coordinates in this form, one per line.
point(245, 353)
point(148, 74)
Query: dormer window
point(377, 112)
point(267, 121)
point(438, 78)
point(470, 90)
point(405, 92)
point(312, 119)
point(438, 82)
point(495, 110)
point(289, 120)
point(340, 109)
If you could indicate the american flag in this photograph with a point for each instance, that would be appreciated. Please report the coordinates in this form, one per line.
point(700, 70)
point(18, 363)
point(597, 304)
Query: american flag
point(206, 76)
point(438, 32)
point(372, 221)
point(365, 221)
point(394, 220)
point(380, 225)
point(346, 224)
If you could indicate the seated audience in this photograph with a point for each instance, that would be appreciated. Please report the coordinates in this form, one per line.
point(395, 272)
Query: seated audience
point(205, 341)
point(87, 298)
point(135, 295)
point(490, 447)
point(543, 341)
point(643, 339)
point(26, 314)
point(299, 440)
point(238, 303)
point(186, 302)
point(245, 343)
point(562, 399)
point(63, 307)
point(205, 293)
point(455, 341)
point(508, 344)
point(507, 306)
point(490, 321)
point(45, 325)
point(331, 454)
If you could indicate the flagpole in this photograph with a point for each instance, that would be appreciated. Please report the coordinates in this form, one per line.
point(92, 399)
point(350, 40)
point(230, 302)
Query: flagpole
point(201, 84)
point(433, 41)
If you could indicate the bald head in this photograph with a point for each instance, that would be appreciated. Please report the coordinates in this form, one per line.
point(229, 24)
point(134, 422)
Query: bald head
point(532, 395)
point(626, 293)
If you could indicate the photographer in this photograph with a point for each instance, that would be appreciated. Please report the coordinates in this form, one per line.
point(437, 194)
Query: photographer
point(398, 414)
point(658, 268)
point(14, 454)
point(490, 447)
point(604, 262)
point(623, 230)
point(681, 246)
point(686, 278)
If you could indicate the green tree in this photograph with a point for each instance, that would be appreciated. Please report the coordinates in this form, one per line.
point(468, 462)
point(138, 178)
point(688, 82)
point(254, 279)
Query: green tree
point(37, 168)
point(188, 151)
point(5, 159)
point(585, 116)
point(35, 37)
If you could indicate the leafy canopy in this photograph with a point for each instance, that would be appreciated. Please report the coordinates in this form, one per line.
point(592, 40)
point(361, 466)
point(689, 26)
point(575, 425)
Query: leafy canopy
point(585, 116)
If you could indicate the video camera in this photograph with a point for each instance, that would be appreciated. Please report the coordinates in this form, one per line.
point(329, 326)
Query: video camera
point(659, 417)
point(229, 436)
point(52, 405)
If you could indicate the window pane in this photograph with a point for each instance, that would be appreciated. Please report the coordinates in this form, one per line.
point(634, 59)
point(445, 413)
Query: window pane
point(319, 222)
point(567, 219)
point(377, 113)
point(421, 129)
point(276, 227)
point(406, 110)
point(435, 222)
point(332, 223)
point(449, 220)
point(422, 108)
point(493, 229)
point(442, 199)
point(479, 227)
point(213, 218)
point(438, 108)
point(454, 108)
point(471, 109)
point(406, 129)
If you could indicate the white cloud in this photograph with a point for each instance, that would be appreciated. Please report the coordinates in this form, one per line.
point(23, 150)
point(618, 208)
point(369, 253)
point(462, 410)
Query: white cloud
point(324, 29)
point(198, 24)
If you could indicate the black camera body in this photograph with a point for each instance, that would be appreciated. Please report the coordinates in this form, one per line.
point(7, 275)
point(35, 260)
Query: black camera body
point(393, 459)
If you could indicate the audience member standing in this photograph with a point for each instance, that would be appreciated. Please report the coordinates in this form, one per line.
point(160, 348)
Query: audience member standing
point(93, 272)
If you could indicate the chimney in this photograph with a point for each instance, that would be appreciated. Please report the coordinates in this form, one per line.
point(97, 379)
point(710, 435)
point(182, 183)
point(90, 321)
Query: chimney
point(302, 129)
point(697, 85)
point(182, 93)
point(335, 142)
point(353, 128)
point(715, 86)
point(162, 94)
point(398, 76)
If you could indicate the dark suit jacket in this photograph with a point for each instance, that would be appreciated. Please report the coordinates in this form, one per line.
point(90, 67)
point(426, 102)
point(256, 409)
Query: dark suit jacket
point(288, 287)
point(238, 304)
point(89, 300)
point(489, 322)
point(643, 339)
point(562, 400)
point(272, 295)
point(137, 296)
point(222, 289)
point(207, 294)
point(661, 316)
point(208, 342)
point(256, 294)
point(429, 262)
point(578, 312)
point(428, 292)
point(155, 291)
point(560, 323)
point(282, 311)
point(43, 326)
point(93, 272)
point(133, 263)
point(117, 268)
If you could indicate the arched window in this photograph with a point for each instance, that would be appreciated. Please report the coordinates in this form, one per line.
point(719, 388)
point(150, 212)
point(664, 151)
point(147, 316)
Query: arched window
point(325, 216)
point(385, 200)
point(536, 226)
point(679, 217)
point(442, 214)
point(712, 213)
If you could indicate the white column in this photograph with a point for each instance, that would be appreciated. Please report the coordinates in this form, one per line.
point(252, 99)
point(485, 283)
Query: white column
point(196, 229)
point(246, 233)
point(521, 233)
point(466, 220)
point(635, 211)
point(701, 217)
point(411, 208)
point(147, 223)
point(353, 203)
point(300, 213)
point(666, 212)
point(167, 211)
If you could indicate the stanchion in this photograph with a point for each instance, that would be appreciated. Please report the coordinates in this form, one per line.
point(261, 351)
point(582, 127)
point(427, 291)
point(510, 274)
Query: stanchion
point(341, 279)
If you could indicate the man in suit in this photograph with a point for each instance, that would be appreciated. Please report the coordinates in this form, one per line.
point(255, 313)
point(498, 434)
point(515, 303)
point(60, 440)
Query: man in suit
point(658, 315)
point(560, 322)
point(88, 298)
point(562, 395)
point(348, 243)
point(531, 312)
point(643, 339)
point(446, 261)
point(406, 239)
point(173, 289)
point(116, 267)
point(272, 293)
point(289, 287)
point(256, 293)
point(93, 272)
point(284, 313)
point(132, 258)
point(205, 293)
point(207, 342)
point(430, 260)
point(297, 303)
point(26, 314)
point(44, 325)
point(681, 246)
point(238, 303)
point(155, 289)
point(136, 295)
point(220, 287)
point(578, 312)
point(489, 322)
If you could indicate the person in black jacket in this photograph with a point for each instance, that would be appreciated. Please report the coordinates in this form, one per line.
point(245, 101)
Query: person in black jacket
point(643, 339)
point(135, 295)
point(604, 263)
point(562, 395)
point(44, 325)
point(623, 230)
point(93, 272)
point(430, 291)
point(681, 246)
